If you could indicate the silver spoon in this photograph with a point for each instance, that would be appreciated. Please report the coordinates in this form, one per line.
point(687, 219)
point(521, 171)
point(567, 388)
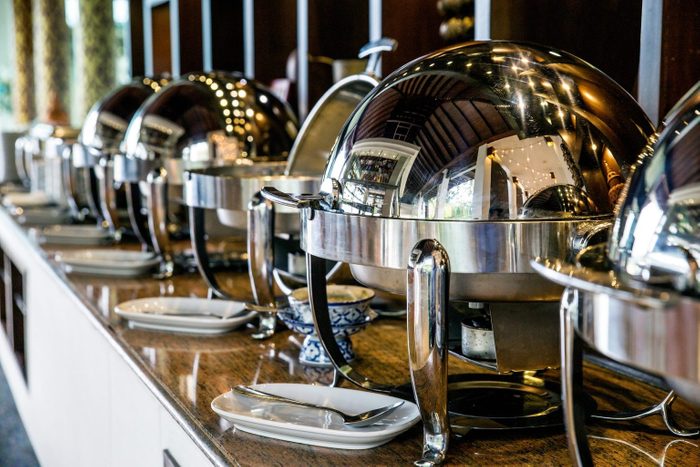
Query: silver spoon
point(359, 420)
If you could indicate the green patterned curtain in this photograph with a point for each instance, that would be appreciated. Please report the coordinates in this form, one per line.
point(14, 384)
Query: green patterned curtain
point(55, 72)
point(24, 108)
point(98, 50)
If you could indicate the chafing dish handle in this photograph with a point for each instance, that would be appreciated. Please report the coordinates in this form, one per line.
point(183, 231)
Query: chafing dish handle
point(21, 160)
point(139, 222)
point(261, 256)
point(199, 244)
point(427, 298)
point(316, 275)
point(158, 215)
point(373, 50)
point(290, 200)
point(108, 202)
point(69, 183)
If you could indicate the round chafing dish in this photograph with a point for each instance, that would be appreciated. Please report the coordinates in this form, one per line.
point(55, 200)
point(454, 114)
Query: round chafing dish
point(200, 120)
point(42, 157)
point(100, 139)
point(635, 300)
point(234, 191)
point(465, 164)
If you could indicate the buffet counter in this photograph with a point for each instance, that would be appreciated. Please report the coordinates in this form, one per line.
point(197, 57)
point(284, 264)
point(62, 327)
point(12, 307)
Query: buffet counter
point(99, 393)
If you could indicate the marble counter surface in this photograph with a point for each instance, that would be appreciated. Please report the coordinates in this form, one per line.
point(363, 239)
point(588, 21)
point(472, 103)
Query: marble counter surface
point(187, 372)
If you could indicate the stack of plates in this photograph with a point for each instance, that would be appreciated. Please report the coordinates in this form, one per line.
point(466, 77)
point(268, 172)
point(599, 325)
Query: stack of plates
point(71, 235)
point(185, 314)
point(313, 426)
point(112, 263)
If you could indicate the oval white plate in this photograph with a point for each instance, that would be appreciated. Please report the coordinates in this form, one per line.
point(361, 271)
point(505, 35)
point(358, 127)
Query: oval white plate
point(26, 200)
point(162, 314)
point(71, 235)
point(311, 426)
point(107, 262)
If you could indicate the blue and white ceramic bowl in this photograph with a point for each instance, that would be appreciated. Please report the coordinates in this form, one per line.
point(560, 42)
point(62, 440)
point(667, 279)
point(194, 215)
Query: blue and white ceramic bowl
point(349, 312)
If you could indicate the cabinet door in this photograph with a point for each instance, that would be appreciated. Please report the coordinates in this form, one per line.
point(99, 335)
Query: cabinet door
point(179, 445)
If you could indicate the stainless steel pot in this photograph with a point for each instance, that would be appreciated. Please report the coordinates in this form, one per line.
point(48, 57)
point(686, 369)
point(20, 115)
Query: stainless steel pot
point(200, 120)
point(100, 139)
point(636, 301)
point(467, 163)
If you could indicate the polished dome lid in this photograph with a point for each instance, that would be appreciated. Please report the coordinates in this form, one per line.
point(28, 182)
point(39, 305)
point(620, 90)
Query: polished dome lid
point(106, 122)
point(488, 131)
point(211, 119)
point(656, 236)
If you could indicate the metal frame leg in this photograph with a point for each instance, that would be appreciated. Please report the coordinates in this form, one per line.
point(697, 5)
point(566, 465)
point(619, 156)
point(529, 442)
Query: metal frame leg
point(261, 262)
point(316, 275)
point(199, 245)
point(572, 381)
point(427, 293)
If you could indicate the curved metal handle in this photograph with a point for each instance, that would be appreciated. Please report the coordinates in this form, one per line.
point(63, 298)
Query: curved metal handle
point(139, 222)
point(69, 184)
point(318, 299)
point(158, 213)
point(261, 257)
point(290, 200)
point(199, 245)
point(427, 297)
point(374, 50)
point(108, 200)
point(21, 160)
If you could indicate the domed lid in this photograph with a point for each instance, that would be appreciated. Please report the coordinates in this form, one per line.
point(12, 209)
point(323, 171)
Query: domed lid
point(488, 131)
point(106, 122)
point(206, 118)
point(656, 236)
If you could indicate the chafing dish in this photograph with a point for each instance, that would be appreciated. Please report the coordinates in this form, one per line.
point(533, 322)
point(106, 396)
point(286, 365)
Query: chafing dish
point(465, 164)
point(100, 139)
point(200, 120)
point(42, 158)
point(234, 191)
point(635, 299)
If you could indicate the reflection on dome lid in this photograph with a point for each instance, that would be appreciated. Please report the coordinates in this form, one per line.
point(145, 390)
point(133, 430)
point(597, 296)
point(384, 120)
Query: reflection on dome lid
point(203, 117)
point(472, 132)
point(106, 122)
point(656, 236)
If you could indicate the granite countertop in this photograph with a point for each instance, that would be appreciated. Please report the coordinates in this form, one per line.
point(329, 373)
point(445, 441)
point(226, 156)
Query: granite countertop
point(187, 372)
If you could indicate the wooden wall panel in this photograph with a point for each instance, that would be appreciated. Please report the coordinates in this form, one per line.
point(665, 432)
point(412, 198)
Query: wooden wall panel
point(680, 51)
point(227, 34)
point(190, 19)
point(602, 32)
point(415, 25)
point(160, 20)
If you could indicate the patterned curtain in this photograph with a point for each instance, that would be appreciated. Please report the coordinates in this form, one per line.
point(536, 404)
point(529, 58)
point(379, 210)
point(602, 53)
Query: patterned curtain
point(24, 108)
point(99, 49)
point(55, 71)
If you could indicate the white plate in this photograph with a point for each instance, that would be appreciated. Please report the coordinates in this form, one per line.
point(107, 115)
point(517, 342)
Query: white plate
point(26, 200)
point(161, 313)
point(315, 427)
point(41, 215)
point(122, 263)
point(71, 235)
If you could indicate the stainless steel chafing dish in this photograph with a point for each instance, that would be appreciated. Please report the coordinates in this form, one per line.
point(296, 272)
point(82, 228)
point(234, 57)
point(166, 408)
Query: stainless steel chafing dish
point(465, 164)
point(201, 120)
point(100, 139)
point(40, 161)
point(234, 191)
point(636, 301)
